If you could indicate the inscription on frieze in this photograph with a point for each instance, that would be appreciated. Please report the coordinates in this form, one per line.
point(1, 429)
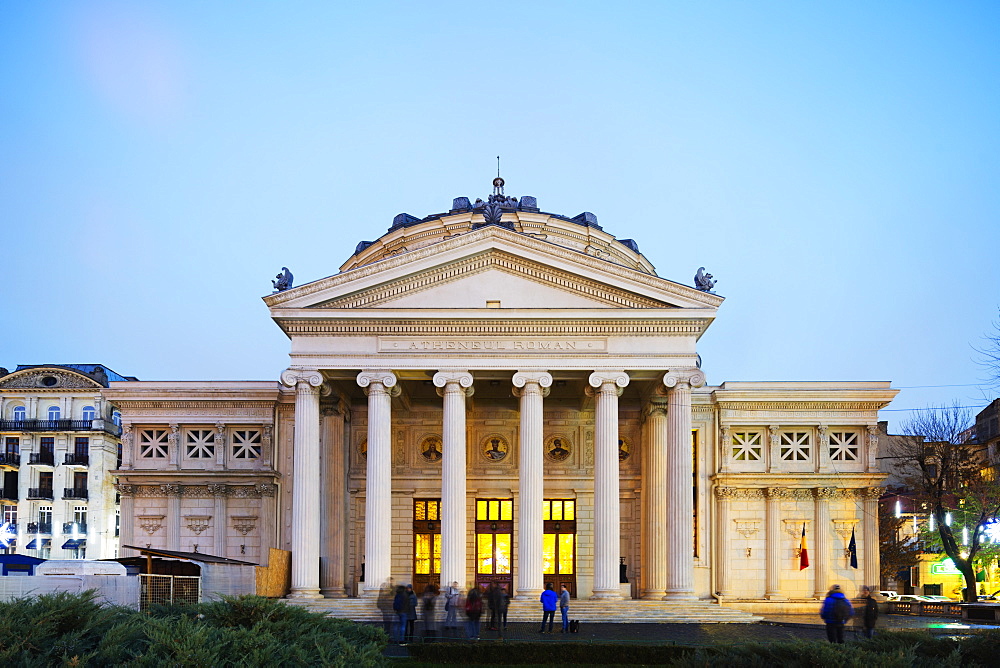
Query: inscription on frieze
point(468, 344)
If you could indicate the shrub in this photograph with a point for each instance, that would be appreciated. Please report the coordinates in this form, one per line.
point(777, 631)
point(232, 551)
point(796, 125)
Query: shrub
point(547, 653)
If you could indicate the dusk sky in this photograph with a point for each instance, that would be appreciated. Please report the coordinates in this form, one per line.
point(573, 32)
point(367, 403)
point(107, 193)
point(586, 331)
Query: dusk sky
point(835, 166)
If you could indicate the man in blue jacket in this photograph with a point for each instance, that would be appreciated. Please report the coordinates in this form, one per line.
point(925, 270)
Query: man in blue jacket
point(550, 600)
point(836, 611)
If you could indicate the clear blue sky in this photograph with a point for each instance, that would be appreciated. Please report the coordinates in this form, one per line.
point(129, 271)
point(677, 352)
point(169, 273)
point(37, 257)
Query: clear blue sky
point(835, 166)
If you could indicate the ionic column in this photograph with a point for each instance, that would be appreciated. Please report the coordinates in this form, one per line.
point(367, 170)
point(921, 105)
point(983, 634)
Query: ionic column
point(305, 482)
point(680, 469)
point(378, 385)
point(532, 387)
point(822, 514)
point(723, 495)
point(333, 506)
point(869, 511)
point(607, 387)
point(454, 387)
point(654, 493)
point(772, 520)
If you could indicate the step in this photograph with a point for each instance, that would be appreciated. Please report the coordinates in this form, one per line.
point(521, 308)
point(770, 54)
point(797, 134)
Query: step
point(616, 612)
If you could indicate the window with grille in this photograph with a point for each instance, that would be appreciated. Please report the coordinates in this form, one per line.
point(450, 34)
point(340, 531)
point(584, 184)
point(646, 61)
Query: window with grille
point(844, 446)
point(153, 443)
point(199, 444)
point(246, 444)
point(747, 446)
point(795, 446)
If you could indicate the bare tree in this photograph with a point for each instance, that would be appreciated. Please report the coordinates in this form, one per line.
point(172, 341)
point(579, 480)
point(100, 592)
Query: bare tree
point(989, 353)
point(950, 475)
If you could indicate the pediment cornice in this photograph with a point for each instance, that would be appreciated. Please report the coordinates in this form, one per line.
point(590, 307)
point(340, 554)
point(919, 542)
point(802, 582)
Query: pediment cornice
point(495, 259)
point(495, 326)
point(522, 247)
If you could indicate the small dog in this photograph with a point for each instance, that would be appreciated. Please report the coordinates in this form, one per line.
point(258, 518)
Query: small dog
point(574, 626)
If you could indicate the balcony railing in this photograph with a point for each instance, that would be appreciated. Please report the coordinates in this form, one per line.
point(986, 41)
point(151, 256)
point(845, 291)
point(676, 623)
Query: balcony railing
point(10, 459)
point(40, 493)
point(39, 527)
point(9, 494)
point(44, 457)
point(61, 425)
point(80, 527)
point(74, 492)
point(77, 459)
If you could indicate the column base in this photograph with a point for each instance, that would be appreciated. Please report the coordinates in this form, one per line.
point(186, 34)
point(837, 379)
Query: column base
point(653, 595)
point(680, 596)
point(775, 597)
point(606, 595)
point(305, 593)
point(528, 594)
point(333, 593)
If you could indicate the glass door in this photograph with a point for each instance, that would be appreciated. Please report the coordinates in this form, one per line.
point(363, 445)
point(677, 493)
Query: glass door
point(426, 543)
point(494, 533)
point(559, 543)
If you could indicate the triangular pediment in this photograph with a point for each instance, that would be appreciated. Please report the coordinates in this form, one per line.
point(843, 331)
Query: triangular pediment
point(488, 265)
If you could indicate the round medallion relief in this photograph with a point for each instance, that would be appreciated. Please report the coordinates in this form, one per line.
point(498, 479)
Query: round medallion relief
point(495, 448)
point(363, 448)
point(624, 449)
point(430, 448)
point(557, 448)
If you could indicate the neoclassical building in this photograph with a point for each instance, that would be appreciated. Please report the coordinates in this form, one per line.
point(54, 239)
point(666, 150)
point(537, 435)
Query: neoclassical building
point(498, 394)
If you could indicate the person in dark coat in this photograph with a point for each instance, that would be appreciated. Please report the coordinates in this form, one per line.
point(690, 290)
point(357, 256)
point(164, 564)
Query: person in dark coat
point(870, 614)
point(836, 612)
point(399, 607)
point(473, 610)
point(411, 612)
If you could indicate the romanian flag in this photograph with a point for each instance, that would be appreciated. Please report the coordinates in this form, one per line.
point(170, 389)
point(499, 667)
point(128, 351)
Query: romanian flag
point(803, 550)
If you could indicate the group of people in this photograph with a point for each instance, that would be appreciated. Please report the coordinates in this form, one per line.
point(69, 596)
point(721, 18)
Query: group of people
point(401, 607)
point(837, 611)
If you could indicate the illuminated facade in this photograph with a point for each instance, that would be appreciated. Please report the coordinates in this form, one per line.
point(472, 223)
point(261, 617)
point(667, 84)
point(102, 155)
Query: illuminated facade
point(498, 394)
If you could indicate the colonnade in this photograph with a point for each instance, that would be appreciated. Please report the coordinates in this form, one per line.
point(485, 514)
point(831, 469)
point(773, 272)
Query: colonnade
point(669, 574)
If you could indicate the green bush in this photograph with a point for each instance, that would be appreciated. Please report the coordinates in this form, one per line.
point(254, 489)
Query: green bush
point(74, 630)
point(547, 653)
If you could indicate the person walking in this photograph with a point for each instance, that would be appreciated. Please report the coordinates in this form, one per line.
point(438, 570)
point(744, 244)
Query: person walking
point(429, 611)
point(473, 611)
point(399, 607)
point(836, 612)
point(503, 602)
point(549, 602)
point(451, 596)
point(564, 608)
point(870, 614)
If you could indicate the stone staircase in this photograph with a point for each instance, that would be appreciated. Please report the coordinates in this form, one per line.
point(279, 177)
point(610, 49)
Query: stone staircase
point(613, 612)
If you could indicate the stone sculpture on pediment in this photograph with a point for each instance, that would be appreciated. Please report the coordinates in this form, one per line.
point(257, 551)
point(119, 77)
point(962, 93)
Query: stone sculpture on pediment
point(48, 379)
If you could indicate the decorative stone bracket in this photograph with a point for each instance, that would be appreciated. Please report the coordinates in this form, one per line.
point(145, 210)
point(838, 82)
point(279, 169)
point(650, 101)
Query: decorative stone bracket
point(197, 523)
point(151, 523)
point(747, 528)
point(844, 527)
point(244, 523)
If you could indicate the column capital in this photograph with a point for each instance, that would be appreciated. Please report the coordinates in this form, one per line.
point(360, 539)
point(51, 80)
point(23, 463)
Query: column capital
point(447, 376)
point(605, 377)
point(293, 377)
point(522, 378)
point(385, 378)
point(692, 377)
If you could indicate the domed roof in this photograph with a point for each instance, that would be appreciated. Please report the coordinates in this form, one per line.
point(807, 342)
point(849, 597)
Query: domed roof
point(580, 233)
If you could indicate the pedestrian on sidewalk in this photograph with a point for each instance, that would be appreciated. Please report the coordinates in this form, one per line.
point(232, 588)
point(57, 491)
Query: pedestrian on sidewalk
point(836, 612)
point(501, 605)
point(429, 601)
point(564, 609)
point(870, 614)
point(451, 596)
point(549, 602)
point(411, 612)
point(473, 611)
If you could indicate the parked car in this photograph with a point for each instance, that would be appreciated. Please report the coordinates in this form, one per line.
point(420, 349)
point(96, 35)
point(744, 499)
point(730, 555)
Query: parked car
point(912, 598)
point(937, 598)
point(890, 595)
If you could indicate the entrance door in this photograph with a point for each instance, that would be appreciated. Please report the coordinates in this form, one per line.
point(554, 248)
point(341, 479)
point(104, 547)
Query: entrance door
point(559, 543)
point(426, 543)
point(494, 531)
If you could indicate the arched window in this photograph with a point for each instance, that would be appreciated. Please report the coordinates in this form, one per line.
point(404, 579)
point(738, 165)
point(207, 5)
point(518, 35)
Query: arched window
point(89, 413)
point(53, 412)
point(116, 417)
point(20, 414)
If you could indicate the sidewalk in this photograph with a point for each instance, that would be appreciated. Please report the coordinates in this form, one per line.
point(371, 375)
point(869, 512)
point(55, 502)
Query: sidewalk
point(772, 629)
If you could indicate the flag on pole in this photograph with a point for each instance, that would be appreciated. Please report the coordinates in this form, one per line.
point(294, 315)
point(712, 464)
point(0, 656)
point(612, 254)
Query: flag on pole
point(852, 547)
point(803, 550)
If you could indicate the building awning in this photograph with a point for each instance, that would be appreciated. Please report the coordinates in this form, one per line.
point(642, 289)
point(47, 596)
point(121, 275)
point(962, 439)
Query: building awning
point(74, 543)
point(35, 544)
